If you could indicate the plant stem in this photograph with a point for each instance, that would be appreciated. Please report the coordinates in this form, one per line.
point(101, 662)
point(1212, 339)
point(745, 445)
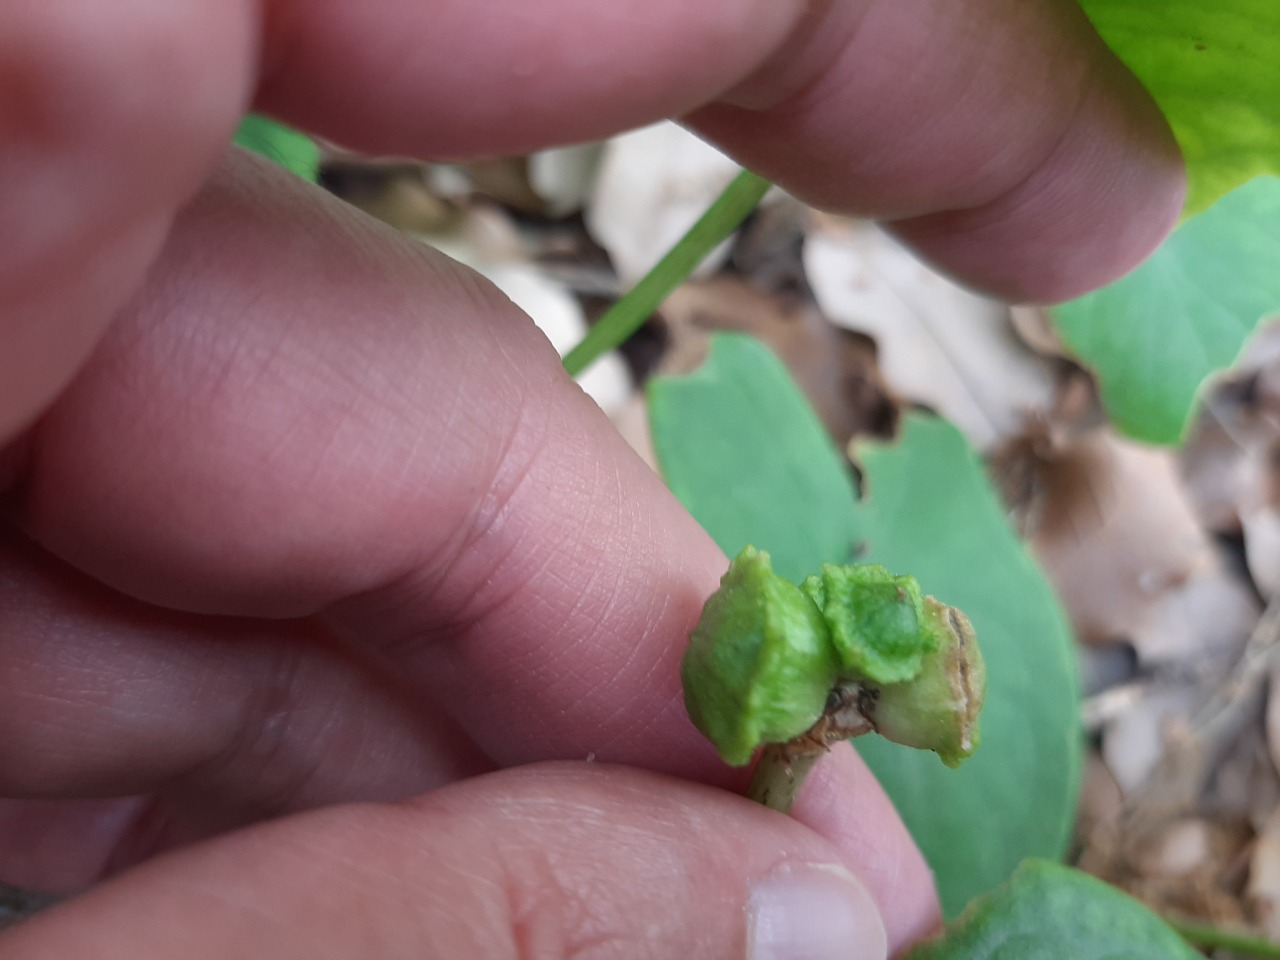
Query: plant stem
point(1207, 935)
point(621, 320)
point(783, 766)
point(779, 776)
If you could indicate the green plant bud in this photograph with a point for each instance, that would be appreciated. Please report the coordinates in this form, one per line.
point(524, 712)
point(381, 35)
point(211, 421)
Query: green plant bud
point(759, 664)
point(874, 619)
point(938, 710)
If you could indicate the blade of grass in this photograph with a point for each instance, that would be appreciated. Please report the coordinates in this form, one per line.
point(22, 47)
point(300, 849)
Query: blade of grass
point(621, 320)
point(1207, 935)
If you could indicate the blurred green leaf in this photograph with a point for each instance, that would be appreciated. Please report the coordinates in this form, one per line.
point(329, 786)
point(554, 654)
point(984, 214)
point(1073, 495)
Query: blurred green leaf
point(929, 510)
point(1050, 912)
point(1215, 71)
point(292, 150)
point(741, 448)
point(1154, 336)
point(748, 457)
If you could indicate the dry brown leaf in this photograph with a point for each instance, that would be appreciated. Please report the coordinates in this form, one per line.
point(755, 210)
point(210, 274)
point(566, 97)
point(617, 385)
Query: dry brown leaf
point(398, 195)
point(1100, 810)
point(1217, 472)
point(835, 369)
point(1035, 327)
point(1176, 849)
point(506, 181)
point(1229, 458)
point(1116, 534)
point(481, 234)
point(1244, 785)
point(1272, 718)
point(939, 344)
point(652, 185)
point(1202, 621)
point(1134, 743)
point(564, 177)
point(1261, 527)
point(1263, 888)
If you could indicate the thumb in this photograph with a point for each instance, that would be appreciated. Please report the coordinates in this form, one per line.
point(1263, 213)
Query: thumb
point(547, 861)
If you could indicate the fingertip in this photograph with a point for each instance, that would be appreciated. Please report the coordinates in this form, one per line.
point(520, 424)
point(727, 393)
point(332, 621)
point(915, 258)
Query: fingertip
point(843, 803)
point(804, 911)
point(1000, 138)
point(110, 117)
point(547, 860)
point(1097, 206)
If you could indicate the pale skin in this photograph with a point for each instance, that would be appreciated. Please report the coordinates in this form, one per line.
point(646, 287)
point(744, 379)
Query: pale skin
point(302, 520)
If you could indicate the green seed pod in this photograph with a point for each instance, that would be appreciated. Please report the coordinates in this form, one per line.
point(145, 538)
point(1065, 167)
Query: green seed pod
point(759, 664)
point(874, 619)
point(938, 710)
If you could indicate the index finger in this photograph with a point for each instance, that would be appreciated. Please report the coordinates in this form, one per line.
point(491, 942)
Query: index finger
point(1004, 138)
point(364, 431)
point(1012, 147)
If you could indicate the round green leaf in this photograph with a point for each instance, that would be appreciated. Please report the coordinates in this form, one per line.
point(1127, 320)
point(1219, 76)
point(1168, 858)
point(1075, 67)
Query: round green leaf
point(1050, 912)
point(1215, 71)
point(928, 508)
point(737, 441)
point(1156, 335)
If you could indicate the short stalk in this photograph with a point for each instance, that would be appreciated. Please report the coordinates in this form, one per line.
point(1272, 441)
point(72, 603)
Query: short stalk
point(779, 776)
point(783, 767)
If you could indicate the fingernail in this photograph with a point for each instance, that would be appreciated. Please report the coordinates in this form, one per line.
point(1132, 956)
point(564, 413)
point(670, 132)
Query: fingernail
point(813, 912)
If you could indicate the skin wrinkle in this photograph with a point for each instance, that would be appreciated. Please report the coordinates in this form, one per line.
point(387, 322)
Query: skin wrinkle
point(72, 840)
point(262, 735)
point(490, 523)
point(554, 669)
point(303, 736)
point(1051, 149)
point(805, 55)
point(745, 33)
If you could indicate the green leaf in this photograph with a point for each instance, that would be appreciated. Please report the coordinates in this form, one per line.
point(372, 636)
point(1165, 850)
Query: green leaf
point(749, 459)
point(736, 440)
point(1156, 335)
point(1214, 70)
point(292, 150)
point(929, 509)
point(1051, 912)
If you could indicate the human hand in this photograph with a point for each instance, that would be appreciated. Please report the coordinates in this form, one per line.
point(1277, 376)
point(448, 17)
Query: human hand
point(302, 515)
